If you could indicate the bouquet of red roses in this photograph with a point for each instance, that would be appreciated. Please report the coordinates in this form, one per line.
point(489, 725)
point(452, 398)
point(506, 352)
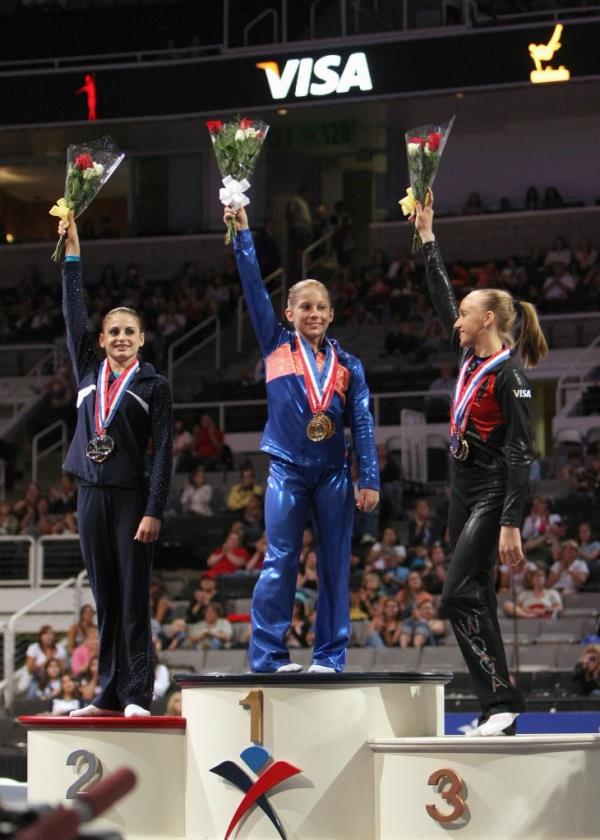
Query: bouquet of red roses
point(424, 147)
point(89, 166)
point(237, 145)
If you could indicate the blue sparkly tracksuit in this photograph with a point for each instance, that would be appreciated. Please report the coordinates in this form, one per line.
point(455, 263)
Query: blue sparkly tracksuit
point(112, 498)
point(304, 476)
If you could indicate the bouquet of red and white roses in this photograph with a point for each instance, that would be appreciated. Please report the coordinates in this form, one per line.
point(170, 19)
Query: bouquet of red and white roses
point(89, 166)
point(424, 147)
point(237, 145)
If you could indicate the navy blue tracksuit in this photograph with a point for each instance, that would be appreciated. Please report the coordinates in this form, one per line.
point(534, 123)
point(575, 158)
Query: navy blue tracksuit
point(112, 499)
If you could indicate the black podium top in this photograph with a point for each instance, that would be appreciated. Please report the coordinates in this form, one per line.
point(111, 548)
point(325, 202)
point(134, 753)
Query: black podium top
point(303, 679)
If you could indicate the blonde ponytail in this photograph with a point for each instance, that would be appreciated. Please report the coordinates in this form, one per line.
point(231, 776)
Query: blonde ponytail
point(532, 341)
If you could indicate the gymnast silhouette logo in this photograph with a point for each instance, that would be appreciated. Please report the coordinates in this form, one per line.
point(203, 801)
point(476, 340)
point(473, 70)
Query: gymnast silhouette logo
point(89, 88)
point(257, 759)
point(545, 53)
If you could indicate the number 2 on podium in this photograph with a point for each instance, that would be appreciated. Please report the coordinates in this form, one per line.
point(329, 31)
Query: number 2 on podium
point(254, 701)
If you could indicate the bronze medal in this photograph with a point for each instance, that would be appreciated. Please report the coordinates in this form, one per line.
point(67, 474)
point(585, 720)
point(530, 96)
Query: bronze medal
point(320, 427)
point(461, 453)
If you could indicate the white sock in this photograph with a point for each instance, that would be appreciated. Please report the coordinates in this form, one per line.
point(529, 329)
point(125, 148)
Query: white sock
point(95, 711)
point(133, 710)
point(289, 668)
point(494, 725)
point(315, 668)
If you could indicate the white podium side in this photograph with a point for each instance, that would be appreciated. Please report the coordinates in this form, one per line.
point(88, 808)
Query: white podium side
point(65, 754)
point(530, 787)
point(320, 724)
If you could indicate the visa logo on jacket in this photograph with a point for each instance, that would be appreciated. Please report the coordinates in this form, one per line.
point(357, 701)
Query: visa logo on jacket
point(317, 78)
point(522, 392)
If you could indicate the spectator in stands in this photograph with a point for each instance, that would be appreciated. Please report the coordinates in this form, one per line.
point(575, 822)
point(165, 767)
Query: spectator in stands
point(389, 494)
point(48, 684)
point(209, 444)
point(231, 557)
point(196, 494)
point(401, 342)
point(9, 524)
point(344, 237)
point(66, 525)
point(308, 575)
point(474, 205)
point(412, 594)
point(532, 199)
point(300, 634)
point(437, 405)
point(435, 570)
point(537, 602)
point(85, 652)
point(372, 591)
point(586, 674)
point(27, 506)
point(569, 573)
point(308, 543)
point(171, 321)
point(213, 632)
point(421, 628)
point(205, 594)
point(586, 256)
point(253, 521)
point(160, 605)
point(388, 546)
point(62, 496)
point(541, 534)
point(69, 698)
point(384, 627)
point(173, 708)
point(37, 655)
point(174, 636)
point(89, 682)
point(241, 493)
point(560, 285)
point(589, 550)
point(267, 249)
point(559, 253)
point(255, 563)
point(300, 228)
point(552, 199)
point(183, 444)
point(78, 632)
point(424, 528)
point(359, 610)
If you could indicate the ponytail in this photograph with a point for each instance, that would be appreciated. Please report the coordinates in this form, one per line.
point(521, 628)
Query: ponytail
point(528, 335)
point(532, 346)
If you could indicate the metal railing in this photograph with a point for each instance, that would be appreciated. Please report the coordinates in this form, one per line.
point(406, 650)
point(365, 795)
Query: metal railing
point(266, 13)
point(573, 380)
point(324, 242)
point(242, 309)
point(49, 356)
point(414, 399)
point(38, 454)
point(8, 562)
point(173, 362)
point(64, 561)
point(10, 633)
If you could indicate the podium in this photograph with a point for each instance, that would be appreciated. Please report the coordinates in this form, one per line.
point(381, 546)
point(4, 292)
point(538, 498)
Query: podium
point(329, 756)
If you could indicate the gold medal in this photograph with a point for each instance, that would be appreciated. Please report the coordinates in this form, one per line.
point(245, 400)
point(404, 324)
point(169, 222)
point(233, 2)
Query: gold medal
point(320, 427)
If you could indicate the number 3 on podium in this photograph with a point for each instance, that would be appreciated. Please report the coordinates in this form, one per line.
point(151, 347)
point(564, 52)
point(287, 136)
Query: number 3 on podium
point(450, 794)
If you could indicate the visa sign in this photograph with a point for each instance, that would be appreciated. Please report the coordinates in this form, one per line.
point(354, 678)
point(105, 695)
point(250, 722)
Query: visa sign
point(317, 78)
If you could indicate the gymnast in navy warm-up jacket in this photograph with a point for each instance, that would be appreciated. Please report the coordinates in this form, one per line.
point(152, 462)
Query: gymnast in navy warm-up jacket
point(310, 464)
point(121, 494)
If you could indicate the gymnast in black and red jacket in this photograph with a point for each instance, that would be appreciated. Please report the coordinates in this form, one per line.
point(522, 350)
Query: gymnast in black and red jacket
point(494, 337)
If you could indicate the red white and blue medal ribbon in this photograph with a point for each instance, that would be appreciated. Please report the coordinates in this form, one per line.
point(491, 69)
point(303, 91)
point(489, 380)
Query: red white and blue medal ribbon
point(320, 384)
point(464, 395)
point(108, 397)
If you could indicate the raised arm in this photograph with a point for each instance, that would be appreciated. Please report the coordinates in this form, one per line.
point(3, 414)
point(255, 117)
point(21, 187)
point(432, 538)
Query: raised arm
point(438, 282)
point(265, 322)
point(81, 349)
